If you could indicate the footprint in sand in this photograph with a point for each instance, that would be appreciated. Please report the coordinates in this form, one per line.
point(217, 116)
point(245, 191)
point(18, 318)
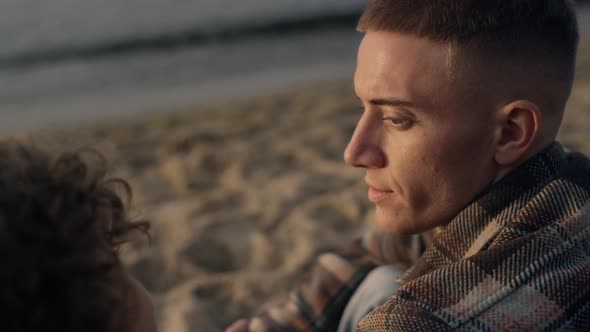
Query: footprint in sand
point(211, 255)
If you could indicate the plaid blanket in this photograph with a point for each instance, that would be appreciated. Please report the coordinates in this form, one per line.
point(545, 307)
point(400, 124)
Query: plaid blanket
point(517, 258)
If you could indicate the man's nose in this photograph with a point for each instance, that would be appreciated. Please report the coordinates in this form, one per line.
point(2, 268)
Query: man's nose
point(364, 148)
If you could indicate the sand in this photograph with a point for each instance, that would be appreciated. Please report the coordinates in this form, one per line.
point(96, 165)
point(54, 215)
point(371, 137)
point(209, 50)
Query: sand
point(243, 194)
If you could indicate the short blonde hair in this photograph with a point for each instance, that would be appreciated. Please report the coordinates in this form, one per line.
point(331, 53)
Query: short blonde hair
point(542, 30)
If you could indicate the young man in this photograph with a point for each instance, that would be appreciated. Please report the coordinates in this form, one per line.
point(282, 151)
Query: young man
point(462, 103)
point(61, 222)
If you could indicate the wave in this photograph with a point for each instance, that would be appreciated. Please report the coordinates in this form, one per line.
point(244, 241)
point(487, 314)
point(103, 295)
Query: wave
point(181, 39)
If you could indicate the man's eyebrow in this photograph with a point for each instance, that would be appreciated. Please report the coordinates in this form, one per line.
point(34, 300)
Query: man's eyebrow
point(393, 102)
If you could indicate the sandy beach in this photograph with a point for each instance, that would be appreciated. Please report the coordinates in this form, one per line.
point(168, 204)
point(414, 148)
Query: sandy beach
point(244, 193)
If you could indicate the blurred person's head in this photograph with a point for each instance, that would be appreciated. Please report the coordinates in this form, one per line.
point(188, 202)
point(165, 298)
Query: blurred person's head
point(456, 94)
point(61, 223)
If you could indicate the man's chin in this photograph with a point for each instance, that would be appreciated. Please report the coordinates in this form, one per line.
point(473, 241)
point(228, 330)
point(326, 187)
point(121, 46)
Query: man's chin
point(394, 224)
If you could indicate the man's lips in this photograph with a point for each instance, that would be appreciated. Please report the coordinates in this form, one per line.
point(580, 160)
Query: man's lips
point(377, 195)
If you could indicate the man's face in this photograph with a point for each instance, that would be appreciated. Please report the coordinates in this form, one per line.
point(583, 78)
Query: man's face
point(427, 150)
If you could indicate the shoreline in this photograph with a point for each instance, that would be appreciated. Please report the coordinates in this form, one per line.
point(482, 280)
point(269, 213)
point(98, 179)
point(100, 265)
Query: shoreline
point(73, 93)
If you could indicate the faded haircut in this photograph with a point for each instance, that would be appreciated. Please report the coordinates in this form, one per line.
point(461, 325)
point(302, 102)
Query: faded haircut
point(541, 31)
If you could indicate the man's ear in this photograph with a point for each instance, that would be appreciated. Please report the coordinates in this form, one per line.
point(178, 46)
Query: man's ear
point(520, 129)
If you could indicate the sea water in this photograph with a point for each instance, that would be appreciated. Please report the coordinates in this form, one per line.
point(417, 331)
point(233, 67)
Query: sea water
point(68, 61)
point(65, 61)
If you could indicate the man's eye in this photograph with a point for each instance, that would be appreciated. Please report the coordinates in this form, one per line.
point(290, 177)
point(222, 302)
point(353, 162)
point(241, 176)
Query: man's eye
point(396, 121)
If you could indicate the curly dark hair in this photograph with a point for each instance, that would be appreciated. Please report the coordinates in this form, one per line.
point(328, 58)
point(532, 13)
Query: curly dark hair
point(61, 223)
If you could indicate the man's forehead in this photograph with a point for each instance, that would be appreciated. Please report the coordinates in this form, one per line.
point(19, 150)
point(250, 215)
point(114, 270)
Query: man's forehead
point(402, 67)
point(403, 44)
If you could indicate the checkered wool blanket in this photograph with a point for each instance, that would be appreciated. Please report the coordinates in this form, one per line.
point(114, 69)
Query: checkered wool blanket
point(516, 259)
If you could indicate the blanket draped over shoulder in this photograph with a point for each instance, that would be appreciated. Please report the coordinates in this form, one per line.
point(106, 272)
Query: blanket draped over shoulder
point(516, 258)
